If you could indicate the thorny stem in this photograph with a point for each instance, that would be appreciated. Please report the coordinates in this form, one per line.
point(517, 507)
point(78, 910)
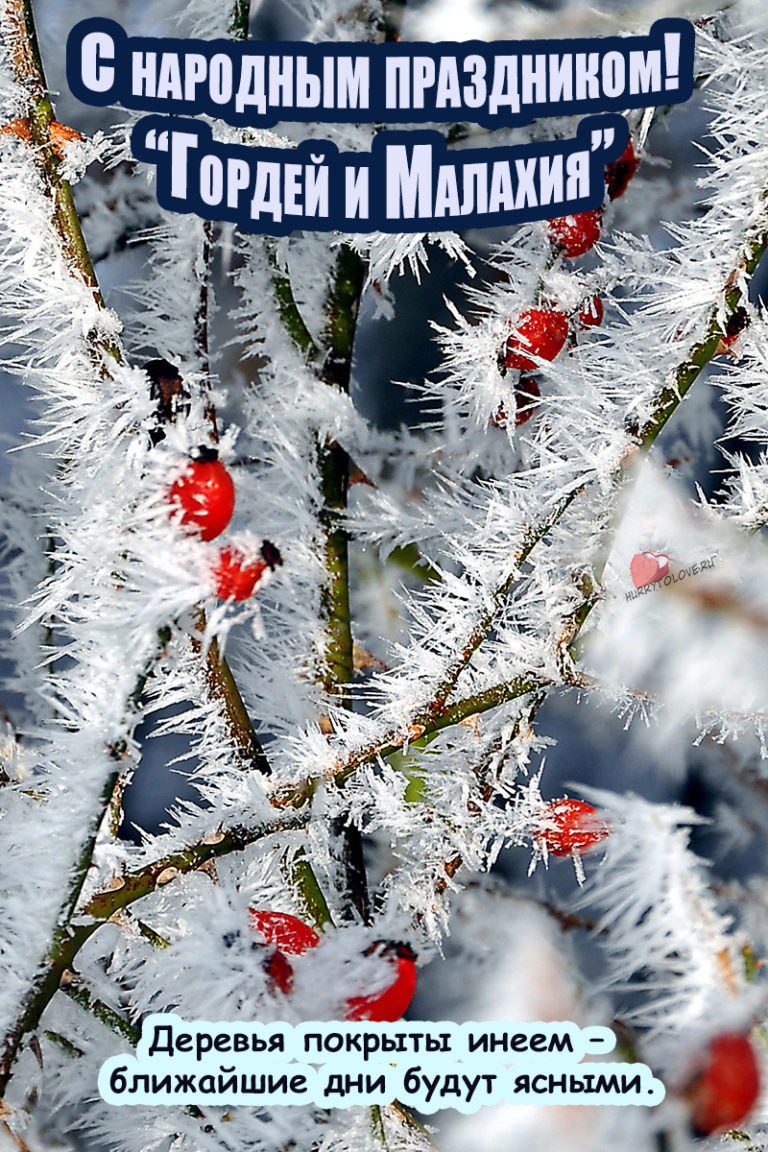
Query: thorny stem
point(202, 319)
point(701, 354)
point(335, 364)
point(436, 715)
point(144, 881)
point(333, 462)
point(533, 536)
point(69, 940)
point(67, 944)
point(669, 399)
point(110, 1019)
point(310, 892)
point(335, 357)
point(21, 40)
point(24, 52)
point(416, 735)
point(108, 1016)
point(667, 402)
point(338, 341)
point(672, 395)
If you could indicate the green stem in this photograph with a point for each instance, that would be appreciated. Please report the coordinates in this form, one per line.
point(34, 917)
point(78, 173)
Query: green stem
point(24, 51)
point(240, 20)
point(670, 397)
point(67, 944)
point(417, 736)
point(108, 1016)
point(146, 880)
point(477, 636)
point(377, 1126)
point(334, 480)
point(69, 940)
point(303, 877)
point(287, 308)
point(118, 782)
point(333, 463)
point(334, 467)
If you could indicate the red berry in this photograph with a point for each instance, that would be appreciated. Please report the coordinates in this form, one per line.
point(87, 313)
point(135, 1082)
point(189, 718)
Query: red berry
point(389, 1004)
point(736, 324)
point(287, 936)
point(279, 972)
point(540, 332)
point(575, 235)
point(527, 396)
point(235, 577)
point(725, 1091)
point(619, 172)
point(570, 826)
point(591, 313)
point(204, 494)
point(291, 935)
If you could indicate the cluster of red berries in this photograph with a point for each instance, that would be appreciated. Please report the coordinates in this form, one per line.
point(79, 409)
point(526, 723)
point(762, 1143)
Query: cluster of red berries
point(569, 826)
point(203, 500)
point(574, 235)
point(286, 935)
point(541, 333)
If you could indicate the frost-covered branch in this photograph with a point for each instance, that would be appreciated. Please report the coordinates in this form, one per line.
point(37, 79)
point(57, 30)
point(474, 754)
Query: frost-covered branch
point(24, 52)
point(101, 347)
point(100, 907)
point(336, 350)
point(428, 676)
